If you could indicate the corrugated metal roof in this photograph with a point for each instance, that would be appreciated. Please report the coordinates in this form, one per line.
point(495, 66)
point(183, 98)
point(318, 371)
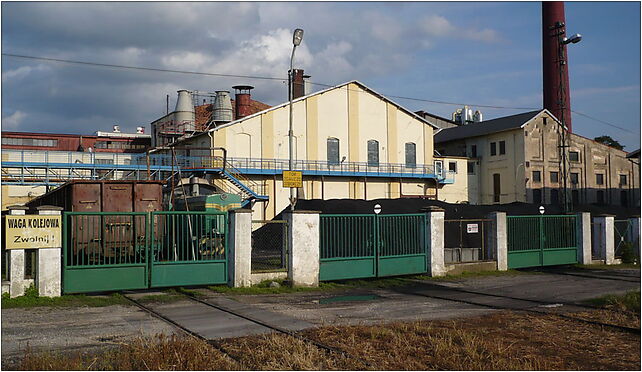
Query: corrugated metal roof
point(485, 127)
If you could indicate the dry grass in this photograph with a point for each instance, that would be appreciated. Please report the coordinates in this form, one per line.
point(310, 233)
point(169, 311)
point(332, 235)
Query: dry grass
point(172, 353)
point(499, 341)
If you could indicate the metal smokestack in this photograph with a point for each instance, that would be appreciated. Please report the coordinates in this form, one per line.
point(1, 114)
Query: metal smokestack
point(552, 13)
point(242, 100)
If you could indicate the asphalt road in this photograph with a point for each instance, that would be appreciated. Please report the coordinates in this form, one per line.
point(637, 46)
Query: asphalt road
point(90, 328)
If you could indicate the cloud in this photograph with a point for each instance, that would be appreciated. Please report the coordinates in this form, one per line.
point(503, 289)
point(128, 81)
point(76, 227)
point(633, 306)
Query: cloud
point(13, 121)
point(437, 26)
point(21, 72)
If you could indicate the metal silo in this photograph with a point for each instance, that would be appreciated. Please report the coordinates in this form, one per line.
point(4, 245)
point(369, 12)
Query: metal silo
point(184, 116)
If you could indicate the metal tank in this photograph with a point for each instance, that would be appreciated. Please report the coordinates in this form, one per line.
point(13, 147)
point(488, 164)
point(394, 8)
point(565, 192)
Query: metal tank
point(222, 111)
point(184, 115)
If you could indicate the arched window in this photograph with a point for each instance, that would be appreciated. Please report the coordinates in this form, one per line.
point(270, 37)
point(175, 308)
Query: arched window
point(373, 153)
point(411, 155)
point(333, 151)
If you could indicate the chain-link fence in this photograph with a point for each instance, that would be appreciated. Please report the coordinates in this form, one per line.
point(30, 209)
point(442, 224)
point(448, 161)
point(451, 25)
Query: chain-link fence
point(622, 234)
point(468, 240)
point(269, 245)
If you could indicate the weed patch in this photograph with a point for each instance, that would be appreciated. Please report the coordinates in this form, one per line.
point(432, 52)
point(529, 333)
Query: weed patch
point(31, 299)
point(626, 302)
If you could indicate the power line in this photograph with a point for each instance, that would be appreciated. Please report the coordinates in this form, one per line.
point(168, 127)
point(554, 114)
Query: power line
point(285, 80)
point(143, 68)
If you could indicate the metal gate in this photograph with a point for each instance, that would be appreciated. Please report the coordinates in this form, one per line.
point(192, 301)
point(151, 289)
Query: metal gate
point(109, 251)
point(366, 246)
point(541, 240)
point(468, 240)
point(622, 233)
point(269, 246)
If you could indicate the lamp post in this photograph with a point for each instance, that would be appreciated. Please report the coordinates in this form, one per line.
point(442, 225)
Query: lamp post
point(559, 32)
point(297, 37)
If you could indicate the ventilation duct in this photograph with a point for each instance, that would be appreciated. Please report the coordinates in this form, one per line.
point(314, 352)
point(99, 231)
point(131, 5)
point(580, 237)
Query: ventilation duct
point(243, 100)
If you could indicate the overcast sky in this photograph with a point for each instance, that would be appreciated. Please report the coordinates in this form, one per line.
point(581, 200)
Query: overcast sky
point(476, 53)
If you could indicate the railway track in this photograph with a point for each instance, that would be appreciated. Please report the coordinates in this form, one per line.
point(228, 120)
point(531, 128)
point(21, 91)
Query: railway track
point(529, 310)
point(218, 346)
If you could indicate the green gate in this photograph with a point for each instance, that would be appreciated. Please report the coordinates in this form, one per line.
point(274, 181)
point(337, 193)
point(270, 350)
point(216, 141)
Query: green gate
point(105, 251)
point(368, 245)
point(541, 240)
point(110, 251)
point(189, 248)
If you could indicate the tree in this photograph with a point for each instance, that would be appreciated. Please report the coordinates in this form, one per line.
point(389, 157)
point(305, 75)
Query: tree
point(607, 140)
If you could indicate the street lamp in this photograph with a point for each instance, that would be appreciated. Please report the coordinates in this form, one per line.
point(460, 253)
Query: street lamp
point(297, 38)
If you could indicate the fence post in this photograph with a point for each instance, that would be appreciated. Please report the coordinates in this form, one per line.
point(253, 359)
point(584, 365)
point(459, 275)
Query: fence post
point(607, 246)
point(499, 236)
point(303, 241)
point(16, 259)
point(435, 227)
point(49, 267)
point(635, 236)
point(584, 253)
point(240, 256)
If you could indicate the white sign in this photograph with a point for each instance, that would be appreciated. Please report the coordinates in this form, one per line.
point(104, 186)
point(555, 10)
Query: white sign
point(472, 228)
point(377, 209)
point(541, 209)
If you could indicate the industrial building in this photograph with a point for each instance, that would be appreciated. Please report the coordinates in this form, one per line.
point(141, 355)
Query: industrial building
point(350, 142)
point(519, 158)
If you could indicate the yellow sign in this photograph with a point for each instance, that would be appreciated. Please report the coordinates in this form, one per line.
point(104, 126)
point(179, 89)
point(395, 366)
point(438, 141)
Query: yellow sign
point(29, 232)
point(292, 179)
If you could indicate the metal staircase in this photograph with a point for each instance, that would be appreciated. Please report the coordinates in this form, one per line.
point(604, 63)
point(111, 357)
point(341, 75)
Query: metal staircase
point(250, 190)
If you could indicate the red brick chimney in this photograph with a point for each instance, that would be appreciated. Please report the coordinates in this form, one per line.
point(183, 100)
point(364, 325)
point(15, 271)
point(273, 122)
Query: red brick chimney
point(298, 86)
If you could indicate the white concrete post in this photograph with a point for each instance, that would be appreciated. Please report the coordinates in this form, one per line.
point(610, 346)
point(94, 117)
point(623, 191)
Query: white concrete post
point(499, 236)
point(583, 230)
point(605, 224)
point(49, 269)
point(16, 259)
point(435, 226)
point(303, 241)
point(240, 249)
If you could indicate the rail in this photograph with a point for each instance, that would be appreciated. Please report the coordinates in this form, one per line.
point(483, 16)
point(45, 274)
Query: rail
point(163, 162)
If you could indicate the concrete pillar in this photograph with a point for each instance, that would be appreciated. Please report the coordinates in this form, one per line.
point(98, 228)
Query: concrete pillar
point(499, 237)
point(584, 238)
point(240, 260)
point(49, 269)
point(303, 240)
point(435, 226)
point(16, 259)
point(606, 250)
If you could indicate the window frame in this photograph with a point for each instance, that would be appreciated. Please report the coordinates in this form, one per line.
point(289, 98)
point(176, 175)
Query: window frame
point(570, 157)
point(557, 177)
point(413, 151)
point(450, 163)
point(373, 157)
point(493, 148)
point(537, 179)
point(599, 179)
point(502, 147)
point(332, 141)
point(576, 176)
point(625, 178)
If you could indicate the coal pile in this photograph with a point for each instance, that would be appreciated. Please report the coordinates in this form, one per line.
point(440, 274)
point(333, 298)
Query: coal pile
point(452, 211)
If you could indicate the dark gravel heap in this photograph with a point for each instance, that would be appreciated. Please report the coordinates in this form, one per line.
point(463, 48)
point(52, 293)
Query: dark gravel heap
point(453, 211)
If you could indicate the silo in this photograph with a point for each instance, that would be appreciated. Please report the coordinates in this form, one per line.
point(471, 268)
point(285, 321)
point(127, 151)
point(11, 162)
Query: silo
point(184, 116)
point(222, 111)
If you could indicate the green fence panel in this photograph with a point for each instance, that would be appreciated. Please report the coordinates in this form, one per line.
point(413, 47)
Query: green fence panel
point(104, 251)
point(347, 246)
point(541, 240)
point(188, 248)
point(366, 246)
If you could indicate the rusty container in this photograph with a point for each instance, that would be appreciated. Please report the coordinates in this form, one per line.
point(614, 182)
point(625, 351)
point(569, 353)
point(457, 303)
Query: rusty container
point(101, 239)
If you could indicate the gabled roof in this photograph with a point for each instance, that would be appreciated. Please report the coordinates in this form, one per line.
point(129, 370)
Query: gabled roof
point(361, 85)
point(633, 154)
point(486, 127)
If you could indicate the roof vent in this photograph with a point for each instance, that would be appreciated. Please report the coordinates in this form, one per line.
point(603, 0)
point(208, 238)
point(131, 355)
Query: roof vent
point(116, 128)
